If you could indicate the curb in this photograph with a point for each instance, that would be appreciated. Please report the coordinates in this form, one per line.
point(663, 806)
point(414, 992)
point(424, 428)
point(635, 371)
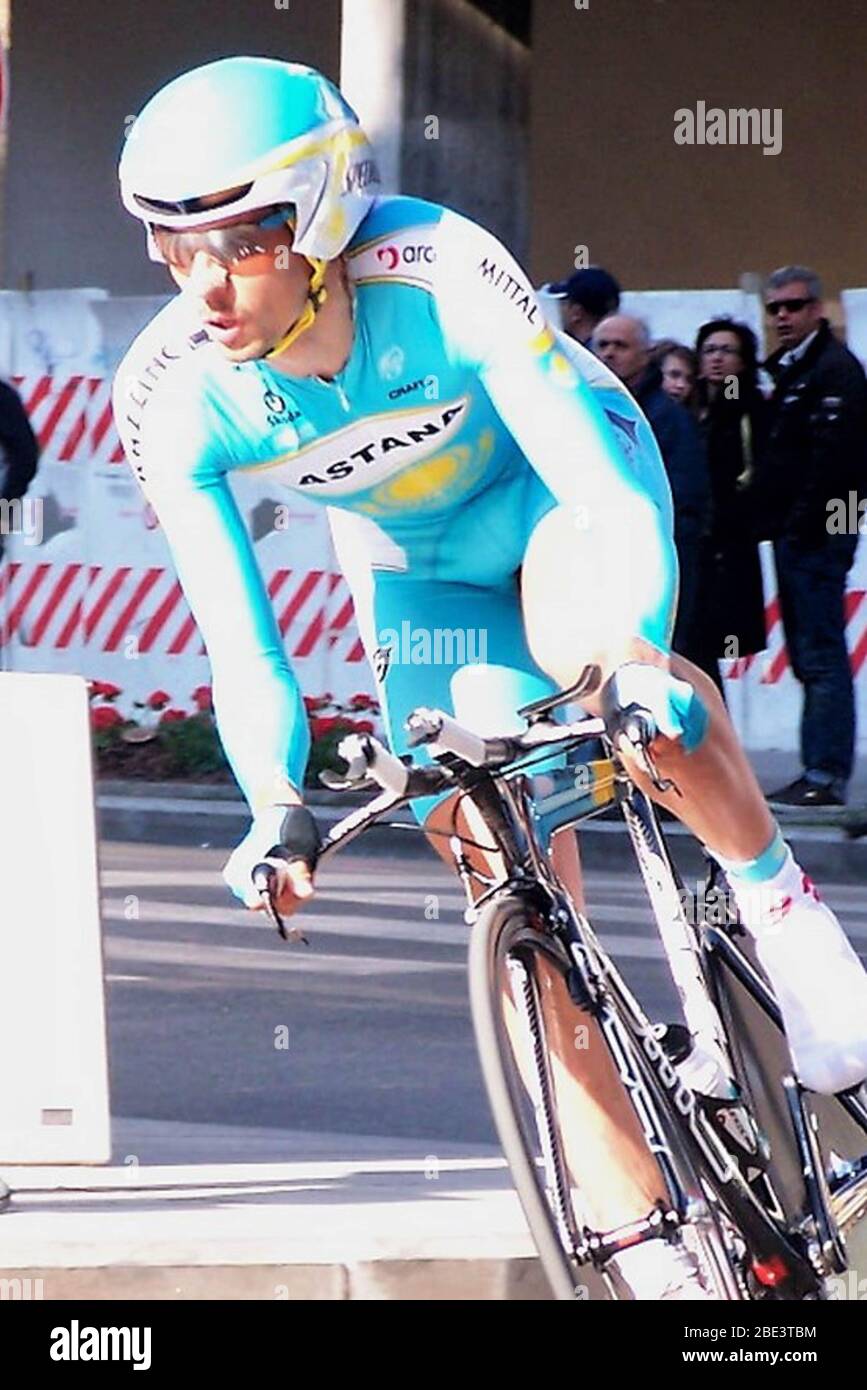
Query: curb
point(208, 815)
point(519, 1278)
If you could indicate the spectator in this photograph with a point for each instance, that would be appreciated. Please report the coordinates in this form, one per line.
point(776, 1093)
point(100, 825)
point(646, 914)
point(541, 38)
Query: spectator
point(679, 367)
point(588, 297)
point(19, 451)
point(734, 418)
point(623, 344)
point(817, 452)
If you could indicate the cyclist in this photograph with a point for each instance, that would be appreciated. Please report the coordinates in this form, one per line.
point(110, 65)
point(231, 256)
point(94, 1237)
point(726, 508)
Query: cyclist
point(388, 357)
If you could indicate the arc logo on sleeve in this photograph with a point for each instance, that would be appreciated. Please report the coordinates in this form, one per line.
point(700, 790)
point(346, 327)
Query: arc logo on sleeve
point(408, 255)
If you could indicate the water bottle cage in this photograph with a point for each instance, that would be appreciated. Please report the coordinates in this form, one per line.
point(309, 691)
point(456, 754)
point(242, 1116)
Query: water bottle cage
point(738, 1131)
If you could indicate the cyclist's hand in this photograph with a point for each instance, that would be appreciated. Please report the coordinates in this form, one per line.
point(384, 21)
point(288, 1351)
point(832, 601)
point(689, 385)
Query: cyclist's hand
point(294, 881)
point(293, 886)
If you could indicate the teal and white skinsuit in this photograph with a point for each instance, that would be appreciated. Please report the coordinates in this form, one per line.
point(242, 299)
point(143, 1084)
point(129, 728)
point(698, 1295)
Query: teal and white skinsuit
point(459, 420)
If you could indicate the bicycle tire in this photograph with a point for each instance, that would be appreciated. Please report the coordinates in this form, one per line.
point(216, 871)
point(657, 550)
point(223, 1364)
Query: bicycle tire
point(504, 920)
point(485, 943)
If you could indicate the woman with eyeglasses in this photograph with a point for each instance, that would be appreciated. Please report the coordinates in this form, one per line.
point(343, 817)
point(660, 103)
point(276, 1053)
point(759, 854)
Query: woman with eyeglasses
point(733, 413)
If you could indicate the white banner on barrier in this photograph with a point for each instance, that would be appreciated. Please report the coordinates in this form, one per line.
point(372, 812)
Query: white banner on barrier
point(679, 314)
point(855, 310)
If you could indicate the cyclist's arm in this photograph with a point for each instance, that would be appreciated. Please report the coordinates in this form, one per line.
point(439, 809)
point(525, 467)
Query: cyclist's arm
point(257, 701)
point(492, 321)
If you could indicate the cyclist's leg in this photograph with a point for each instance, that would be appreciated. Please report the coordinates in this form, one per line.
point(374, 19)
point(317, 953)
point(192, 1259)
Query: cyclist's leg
point(605, 1145)
point(720, 799)
point(572, 620)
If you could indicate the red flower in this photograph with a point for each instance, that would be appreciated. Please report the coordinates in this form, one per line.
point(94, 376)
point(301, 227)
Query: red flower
point(362, 701)
point(314, 702)
point(104, 717)
point(104, 690)
point(158, 699)
point(202, 697)
point(362, 726)
point(329, 724)
point(172, 716)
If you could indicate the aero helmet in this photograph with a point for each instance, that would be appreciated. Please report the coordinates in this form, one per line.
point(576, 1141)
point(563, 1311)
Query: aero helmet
point(243, 134)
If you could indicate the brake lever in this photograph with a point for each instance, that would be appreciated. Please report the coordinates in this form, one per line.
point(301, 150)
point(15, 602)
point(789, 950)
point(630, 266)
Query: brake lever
point(639, 738)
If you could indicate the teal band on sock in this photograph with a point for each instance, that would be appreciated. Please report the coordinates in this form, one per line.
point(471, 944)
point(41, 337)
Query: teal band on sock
point(760, 870)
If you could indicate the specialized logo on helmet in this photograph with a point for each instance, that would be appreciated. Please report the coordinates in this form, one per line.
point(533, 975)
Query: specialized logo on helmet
point(360, 176)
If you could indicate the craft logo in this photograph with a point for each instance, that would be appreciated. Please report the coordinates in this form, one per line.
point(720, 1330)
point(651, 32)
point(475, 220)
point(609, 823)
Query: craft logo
point(407, 388)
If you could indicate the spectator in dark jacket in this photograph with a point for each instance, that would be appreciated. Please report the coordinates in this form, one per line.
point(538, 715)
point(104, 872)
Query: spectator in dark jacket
point(623, 344)
point(734, 418)
point(588, 296)
point(19, 451)
point(817, 469)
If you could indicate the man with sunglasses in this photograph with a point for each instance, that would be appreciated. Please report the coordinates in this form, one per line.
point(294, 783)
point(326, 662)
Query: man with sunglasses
point(388, 357)
point(817, 456)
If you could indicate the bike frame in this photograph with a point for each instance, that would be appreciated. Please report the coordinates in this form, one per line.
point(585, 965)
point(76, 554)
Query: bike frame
point(523, 811)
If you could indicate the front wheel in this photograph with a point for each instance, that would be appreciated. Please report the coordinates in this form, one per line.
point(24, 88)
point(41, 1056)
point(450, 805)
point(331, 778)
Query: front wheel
point(512, 961)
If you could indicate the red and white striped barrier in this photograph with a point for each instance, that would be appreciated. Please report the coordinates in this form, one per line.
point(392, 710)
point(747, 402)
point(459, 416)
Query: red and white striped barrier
point(101, 597)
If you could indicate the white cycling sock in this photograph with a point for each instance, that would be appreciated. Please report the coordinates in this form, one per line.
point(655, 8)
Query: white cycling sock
point(764, 905)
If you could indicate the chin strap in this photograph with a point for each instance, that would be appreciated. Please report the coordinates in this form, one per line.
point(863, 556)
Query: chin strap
point(316, 297)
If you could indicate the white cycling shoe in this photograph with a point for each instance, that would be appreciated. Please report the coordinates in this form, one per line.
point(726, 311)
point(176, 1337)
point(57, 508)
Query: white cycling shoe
point(821, 988)
point(656, 1271)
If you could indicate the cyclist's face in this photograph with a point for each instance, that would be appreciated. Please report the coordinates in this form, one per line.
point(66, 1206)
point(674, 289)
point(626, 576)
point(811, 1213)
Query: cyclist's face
point(247, 303)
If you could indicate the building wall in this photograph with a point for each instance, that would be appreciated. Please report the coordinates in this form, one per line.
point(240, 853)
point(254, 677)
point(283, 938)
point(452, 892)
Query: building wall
point(606, 172)
point(472, 77)
point(78, 71)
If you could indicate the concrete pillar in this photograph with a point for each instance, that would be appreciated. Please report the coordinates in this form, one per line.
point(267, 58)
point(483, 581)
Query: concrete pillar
point(371, 77)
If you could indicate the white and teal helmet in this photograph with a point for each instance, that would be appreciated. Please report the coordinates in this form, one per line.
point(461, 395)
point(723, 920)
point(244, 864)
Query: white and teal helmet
point(243, 134)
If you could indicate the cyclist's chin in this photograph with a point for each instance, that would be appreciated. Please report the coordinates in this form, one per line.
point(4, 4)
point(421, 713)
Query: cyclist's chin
point(243, 348)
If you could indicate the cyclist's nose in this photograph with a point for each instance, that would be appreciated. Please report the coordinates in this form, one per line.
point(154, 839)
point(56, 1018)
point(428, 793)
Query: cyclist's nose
point(207, 274)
